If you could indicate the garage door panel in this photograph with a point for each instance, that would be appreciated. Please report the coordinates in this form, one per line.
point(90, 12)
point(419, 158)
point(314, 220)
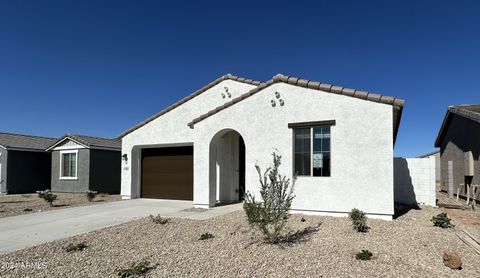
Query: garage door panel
point(166, 175)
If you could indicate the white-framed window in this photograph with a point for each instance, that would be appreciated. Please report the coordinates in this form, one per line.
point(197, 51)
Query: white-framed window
point(69, 165)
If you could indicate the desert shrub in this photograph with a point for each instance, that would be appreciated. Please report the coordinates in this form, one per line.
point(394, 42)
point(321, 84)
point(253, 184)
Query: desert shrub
point(271, 213)
point(365, 255)
point(91, 195)
point(135, 269)
point(359, 220)
point(48, 196)
point(442, 220)
point(159, 220)
point(206, 236)
point(76, 247)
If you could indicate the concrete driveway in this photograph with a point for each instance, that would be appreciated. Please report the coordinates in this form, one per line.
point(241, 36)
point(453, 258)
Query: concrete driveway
point(18, 232)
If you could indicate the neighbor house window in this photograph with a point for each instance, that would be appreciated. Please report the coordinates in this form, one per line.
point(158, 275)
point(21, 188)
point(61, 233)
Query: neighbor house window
point(312, 148)
point(68, 164)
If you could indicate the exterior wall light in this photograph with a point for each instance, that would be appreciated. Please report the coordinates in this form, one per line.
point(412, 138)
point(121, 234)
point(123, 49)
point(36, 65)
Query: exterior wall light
point(125, 157)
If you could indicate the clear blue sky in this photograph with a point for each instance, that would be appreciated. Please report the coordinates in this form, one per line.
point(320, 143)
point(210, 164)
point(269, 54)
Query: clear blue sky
point(100, 67)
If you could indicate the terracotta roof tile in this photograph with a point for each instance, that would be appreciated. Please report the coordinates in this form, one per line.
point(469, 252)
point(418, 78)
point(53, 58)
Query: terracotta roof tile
point(189, 97)
point(397, 103)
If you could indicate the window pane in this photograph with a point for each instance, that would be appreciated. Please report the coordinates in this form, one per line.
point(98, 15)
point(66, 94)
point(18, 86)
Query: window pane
point(302, 151)
point(69, 164)
point(321, 151)
point(73, 165)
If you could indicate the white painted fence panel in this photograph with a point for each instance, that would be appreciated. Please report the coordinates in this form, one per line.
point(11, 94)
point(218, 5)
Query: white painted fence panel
point(414, 180)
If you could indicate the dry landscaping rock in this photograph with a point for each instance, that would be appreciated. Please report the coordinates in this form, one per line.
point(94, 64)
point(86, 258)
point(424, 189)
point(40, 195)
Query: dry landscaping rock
point(452, 260)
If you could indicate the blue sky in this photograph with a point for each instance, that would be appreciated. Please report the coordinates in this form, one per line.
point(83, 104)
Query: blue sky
point(100, 67)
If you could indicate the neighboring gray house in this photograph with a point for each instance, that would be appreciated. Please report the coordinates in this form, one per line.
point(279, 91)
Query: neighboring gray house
point(81, 163)
point(24, 163)
point(459, 143)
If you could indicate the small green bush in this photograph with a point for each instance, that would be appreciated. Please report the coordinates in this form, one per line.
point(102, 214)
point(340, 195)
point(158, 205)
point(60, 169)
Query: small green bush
point(91, 195)
point(359, 220)
point(270, 214)
point(206, 236)
point(48, 196)
point(159, 220)
point(135, 269)
point(442, 220)
point(76, 247)
point(365, 255)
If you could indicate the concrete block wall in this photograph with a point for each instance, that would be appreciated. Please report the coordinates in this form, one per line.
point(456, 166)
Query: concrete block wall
point(414, 180)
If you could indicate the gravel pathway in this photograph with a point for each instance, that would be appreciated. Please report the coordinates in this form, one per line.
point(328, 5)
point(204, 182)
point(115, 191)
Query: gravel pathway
point(11, 205)
point(407, 247)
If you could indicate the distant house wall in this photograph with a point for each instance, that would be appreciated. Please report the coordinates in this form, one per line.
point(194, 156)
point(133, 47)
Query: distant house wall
point(461, 136)
point(28, 171)
point(414, 180)
point(3, 170)
point(105, 171)
point(438, 167)
point(77, 185)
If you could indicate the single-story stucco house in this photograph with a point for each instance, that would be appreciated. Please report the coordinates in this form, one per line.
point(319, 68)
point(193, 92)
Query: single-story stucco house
point(81, 163)
point(203, 148)
point(24, 163)
point(459, 143)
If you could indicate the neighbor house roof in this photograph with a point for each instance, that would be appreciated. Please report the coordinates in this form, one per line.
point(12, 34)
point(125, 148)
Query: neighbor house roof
point(469, 111)
point(428, 154)
point(89, 142)
point(25, 142)
point(189, 97)
point(279, 78)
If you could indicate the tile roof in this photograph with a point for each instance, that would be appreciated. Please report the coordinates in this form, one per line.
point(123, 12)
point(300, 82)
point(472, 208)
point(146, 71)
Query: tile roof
point(469, 111)
point(26, 142)
point(189, 97)
point(91, 142)
point(428, 154)
point(396, 102)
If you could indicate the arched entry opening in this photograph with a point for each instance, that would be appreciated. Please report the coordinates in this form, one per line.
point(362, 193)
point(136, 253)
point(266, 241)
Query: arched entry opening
point(227, 167)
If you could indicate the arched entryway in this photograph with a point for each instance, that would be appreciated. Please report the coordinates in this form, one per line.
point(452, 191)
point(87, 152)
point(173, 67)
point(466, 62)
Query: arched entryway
point(227, 167)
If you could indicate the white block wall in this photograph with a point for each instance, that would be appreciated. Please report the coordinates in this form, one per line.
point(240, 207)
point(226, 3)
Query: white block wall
point(414, 180)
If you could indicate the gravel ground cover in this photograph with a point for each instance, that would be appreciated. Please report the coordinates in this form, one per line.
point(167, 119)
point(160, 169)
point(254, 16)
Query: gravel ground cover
point(11, 205)
point(407, 247)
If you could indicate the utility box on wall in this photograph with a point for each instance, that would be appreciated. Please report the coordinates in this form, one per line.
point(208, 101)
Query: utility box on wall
point(468, 162)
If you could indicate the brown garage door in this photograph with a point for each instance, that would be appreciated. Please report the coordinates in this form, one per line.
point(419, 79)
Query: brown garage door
point(167, 173)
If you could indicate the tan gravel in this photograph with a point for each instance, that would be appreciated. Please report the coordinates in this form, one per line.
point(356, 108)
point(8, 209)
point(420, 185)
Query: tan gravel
point(11, 205)
point(407, 247)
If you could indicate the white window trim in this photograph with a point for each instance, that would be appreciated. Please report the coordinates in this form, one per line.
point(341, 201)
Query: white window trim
point(76, 166)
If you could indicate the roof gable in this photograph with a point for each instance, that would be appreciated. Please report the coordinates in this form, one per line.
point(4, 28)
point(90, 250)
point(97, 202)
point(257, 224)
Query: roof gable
point(395, 102)
point(89, 142)
point(189, 97)
point(470, 111)
point(25, 142)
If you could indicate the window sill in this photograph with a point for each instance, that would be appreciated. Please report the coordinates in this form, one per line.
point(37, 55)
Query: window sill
point(69, 178)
